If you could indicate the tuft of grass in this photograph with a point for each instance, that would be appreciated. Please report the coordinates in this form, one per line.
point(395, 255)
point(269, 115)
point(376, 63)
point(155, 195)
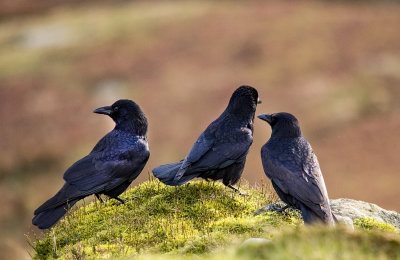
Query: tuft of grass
point(190, 219)
point(319, 242)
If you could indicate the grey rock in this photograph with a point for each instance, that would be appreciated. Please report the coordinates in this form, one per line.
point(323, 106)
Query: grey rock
point(346, 221)
point(347, 210)
point(355, 209)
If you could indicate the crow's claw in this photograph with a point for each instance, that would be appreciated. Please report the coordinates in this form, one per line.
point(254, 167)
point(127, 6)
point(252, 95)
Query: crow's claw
point(281, 210)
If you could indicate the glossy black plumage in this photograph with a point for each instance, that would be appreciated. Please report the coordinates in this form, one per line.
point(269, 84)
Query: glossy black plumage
point(291, 165)
point(115, 161)
point(220, 151)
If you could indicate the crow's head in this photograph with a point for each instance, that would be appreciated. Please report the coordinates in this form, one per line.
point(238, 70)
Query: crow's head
point(126, 114)
point(282, 124)
point(244, 100)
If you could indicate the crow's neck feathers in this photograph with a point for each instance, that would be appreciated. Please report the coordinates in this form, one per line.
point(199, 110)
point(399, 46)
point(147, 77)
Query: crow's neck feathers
point(242, 110)
point(286, 129)
point(136, 124)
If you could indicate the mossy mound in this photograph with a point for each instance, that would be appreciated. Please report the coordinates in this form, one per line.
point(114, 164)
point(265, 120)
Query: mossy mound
point(193, 218)
point(203, 218)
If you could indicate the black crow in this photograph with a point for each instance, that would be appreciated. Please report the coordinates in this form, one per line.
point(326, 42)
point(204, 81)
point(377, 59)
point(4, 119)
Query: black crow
point(115, 161)
point(220, 151)
point(293, 168)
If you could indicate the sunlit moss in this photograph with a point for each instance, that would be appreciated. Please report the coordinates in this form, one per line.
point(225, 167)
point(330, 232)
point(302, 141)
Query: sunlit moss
point(193, 218)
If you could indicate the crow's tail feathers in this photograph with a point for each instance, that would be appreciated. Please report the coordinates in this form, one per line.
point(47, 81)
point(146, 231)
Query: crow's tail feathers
point(49, 217)
point(166, 173)
point(310, 217)
point(56, 207)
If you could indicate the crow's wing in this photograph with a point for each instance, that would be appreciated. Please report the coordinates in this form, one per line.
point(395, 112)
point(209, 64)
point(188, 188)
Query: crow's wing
point(202, 145)
point(222, 155)
point(98, 171)
point(215, 152)
point(297, 174)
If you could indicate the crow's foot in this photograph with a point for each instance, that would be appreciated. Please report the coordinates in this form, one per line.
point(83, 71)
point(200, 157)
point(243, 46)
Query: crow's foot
point(281, 210)
point(123, 201)
point(237, 190)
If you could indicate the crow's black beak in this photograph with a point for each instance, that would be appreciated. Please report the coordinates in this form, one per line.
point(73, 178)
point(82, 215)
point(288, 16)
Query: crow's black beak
point(266, 117)
point(107, 110)
point(259, 101)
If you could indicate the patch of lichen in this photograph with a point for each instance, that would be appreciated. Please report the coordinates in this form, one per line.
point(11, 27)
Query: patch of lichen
point(371, 224)
point(192, 218)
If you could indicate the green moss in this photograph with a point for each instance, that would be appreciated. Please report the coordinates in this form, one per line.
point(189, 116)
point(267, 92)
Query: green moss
point(373, 225)
point(193, 218)
point(43, 248)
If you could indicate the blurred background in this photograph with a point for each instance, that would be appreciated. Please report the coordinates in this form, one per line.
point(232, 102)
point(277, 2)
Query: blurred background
point(334, 64)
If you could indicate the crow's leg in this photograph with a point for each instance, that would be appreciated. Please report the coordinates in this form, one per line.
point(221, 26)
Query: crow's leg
point(237, 190)
point(99, 198)
point(120, 200)
point(123, 201)
point(281, 210)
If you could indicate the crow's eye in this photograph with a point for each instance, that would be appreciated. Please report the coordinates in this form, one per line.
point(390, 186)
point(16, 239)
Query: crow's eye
point(115, 109)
